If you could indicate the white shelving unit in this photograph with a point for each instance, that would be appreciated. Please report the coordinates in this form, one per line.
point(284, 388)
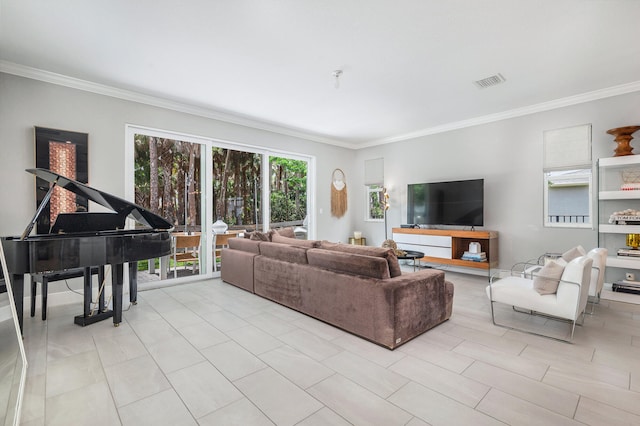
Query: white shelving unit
point(611, 199)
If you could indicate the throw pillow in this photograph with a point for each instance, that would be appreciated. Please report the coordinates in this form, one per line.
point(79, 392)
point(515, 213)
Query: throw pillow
point(547, 280)
point(260, 236)
point(571, 254)
point(286, 232)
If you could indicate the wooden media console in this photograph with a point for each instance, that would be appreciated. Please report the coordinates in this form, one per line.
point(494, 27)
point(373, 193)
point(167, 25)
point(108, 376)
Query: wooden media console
point(446, 246)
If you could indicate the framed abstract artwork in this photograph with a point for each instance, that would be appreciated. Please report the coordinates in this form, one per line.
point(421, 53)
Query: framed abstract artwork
point(66, 153)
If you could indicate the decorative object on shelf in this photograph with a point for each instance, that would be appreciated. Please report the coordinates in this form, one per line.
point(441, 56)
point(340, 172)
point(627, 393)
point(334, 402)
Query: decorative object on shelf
point(358, 241)
point(219, 227)
point(338, 193)
point(625, 217)
point(357, 235)
point(623, 138)
point(633, 241)
point(631, 179)
point(474, 247)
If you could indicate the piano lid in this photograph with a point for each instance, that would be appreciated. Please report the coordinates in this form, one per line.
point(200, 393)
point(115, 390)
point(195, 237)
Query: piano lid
point(120, 206)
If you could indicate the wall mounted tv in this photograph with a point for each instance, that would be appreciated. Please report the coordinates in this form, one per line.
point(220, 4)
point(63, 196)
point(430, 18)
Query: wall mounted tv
point(446, 203)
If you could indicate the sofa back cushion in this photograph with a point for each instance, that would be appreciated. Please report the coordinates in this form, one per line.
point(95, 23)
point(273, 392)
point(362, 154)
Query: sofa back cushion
point(245, 244)
point(386, 253)
point(284, 252)
point(285, 232)
point(277, 238)
point(350, 263)
point(258, 235)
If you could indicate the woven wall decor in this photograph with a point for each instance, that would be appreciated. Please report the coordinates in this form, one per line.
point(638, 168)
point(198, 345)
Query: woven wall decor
point(338, 193)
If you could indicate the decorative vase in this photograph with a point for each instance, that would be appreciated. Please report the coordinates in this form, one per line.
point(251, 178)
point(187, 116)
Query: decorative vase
point(219, 227)
point(623, 138)
point(633, 240)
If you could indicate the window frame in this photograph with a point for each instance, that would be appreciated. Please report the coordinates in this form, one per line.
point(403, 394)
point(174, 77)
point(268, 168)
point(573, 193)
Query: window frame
point(587, 174)
point(371, 189)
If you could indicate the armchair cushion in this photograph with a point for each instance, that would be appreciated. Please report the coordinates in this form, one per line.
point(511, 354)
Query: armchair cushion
point(547, 280)
point(572, 253)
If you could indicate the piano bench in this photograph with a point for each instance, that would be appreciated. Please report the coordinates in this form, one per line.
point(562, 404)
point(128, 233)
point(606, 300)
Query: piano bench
point(45, 278)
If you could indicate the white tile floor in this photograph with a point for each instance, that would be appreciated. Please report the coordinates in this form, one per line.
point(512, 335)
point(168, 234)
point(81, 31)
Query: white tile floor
point(208, 353)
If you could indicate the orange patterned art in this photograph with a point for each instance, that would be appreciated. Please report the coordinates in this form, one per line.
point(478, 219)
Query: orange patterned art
point(62, 160)
point(66, 153)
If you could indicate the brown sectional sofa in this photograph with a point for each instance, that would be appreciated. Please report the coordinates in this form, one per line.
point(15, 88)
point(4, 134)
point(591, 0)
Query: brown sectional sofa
point(358, 289)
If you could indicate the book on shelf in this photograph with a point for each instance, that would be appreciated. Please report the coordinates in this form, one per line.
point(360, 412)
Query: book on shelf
point(626, 252)
point(475, 257)
point(629, 283)
point(626, 287)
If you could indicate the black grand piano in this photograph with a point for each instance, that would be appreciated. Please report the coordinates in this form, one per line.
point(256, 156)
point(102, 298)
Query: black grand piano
point(87, 240)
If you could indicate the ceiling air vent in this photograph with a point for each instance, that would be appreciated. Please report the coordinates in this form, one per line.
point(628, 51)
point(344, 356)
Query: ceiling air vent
point(490, 81)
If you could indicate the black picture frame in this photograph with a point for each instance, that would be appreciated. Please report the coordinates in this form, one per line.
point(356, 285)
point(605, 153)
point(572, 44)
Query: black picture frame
point(43, 138)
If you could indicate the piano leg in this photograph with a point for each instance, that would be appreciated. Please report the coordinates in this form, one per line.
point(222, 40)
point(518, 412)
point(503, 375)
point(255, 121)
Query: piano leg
point(17, 287)
point(88, 317)
point(87, 291)
point(101, 306)
point(117, 274)
point(133, 282)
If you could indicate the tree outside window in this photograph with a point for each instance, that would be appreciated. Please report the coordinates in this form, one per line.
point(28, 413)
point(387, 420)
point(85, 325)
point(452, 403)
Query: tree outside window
point(375, 203)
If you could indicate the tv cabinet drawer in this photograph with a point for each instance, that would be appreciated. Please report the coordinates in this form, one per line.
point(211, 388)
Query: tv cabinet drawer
point(430, 251)
point(423, 240)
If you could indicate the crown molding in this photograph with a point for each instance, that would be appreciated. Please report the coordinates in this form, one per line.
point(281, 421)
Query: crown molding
point(513, 113)
point(156, 101)
point(129, 95)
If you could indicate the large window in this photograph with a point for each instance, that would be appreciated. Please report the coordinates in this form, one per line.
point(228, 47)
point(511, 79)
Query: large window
point(568, 177)
point(567, 198)
point(288, 191)
point(167, 179)
point(237, 188)
point(375, 203)
point(196, 182)
point(168, 182)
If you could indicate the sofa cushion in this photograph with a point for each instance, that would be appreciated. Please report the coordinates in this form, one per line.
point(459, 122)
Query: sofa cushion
point(388, 254)
point(243, 244)
point(286, 232)
point(277, 238)
point(369, 266)
point(284, 252)
point(548, 279)
point(258, 236)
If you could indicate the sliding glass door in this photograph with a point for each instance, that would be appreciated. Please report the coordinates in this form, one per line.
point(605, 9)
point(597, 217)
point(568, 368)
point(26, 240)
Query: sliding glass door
point(168, 182)
point(214, 190)
point(288, 193)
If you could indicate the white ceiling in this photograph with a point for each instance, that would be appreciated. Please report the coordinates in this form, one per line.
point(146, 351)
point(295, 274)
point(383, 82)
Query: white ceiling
point(409, 65)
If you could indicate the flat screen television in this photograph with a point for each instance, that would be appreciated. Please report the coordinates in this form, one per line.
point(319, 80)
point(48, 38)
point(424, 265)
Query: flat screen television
point(446, 203)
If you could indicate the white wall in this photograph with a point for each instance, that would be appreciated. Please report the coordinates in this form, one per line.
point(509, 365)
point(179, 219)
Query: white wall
point(508, 155)
point(25, 103)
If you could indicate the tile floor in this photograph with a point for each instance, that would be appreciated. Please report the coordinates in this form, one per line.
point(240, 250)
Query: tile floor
point(207, 353)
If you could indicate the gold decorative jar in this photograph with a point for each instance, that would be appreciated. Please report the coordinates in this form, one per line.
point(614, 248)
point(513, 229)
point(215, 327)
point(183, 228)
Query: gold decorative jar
point(633, 241)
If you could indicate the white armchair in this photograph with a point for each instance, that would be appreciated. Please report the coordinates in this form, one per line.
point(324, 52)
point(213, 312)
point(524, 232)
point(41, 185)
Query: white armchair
point(567, 303)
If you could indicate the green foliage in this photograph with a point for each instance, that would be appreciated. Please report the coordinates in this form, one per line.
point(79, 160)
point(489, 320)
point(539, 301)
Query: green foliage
point(237, 187)
point(288, 189)
point(376, 205)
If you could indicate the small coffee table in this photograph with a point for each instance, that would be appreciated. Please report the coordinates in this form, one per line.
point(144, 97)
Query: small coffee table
point(412, 255)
